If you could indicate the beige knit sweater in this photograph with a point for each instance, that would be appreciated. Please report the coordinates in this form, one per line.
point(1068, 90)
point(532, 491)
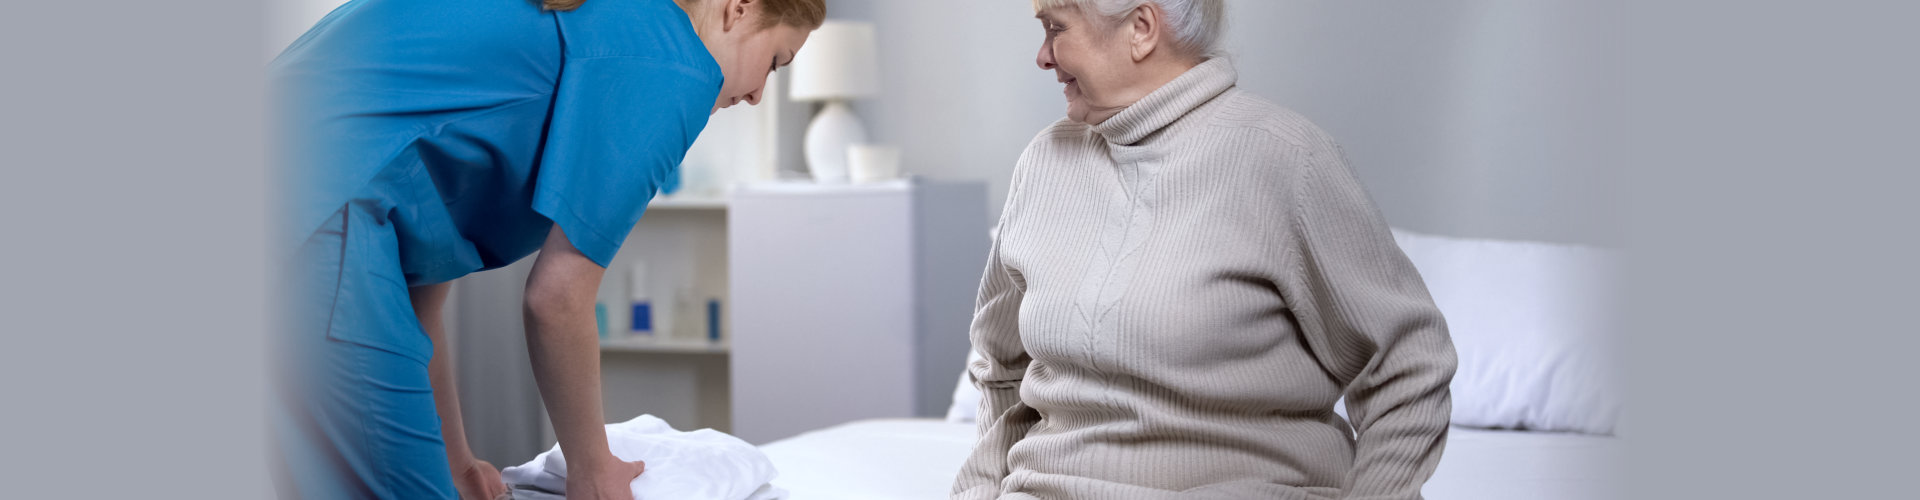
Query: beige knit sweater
point(1176, 299)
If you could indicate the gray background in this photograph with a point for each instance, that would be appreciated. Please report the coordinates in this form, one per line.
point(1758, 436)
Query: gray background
point(131, 306)
point(1463, 118)
point(1765, 166)
point(1772, 226)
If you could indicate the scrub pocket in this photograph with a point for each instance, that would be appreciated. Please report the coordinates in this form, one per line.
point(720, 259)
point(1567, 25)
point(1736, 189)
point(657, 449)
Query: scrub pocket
point(372, 307)
point(354, 414)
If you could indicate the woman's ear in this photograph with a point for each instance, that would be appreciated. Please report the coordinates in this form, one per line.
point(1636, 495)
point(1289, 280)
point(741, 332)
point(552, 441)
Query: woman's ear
point(735, 13)
point(1143, 29)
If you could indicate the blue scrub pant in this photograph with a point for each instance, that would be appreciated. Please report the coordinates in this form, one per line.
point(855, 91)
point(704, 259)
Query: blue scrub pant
point(353, 413)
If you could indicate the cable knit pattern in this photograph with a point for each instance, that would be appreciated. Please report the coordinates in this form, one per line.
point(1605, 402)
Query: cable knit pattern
point(1176, 299)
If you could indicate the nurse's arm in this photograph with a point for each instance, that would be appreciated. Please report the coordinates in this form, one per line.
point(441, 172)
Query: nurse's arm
point(564, 344)
point(473, 477)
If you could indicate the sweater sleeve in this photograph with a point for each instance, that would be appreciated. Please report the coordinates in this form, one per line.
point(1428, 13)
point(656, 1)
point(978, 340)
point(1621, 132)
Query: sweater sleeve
point(995, 333)
point(1368, 318)
point(1004, 420)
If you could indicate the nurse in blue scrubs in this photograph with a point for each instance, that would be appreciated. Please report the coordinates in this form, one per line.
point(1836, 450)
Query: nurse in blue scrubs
point(422, 140)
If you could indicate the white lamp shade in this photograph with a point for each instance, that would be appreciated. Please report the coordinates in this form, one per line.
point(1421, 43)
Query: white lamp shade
point(838, 62)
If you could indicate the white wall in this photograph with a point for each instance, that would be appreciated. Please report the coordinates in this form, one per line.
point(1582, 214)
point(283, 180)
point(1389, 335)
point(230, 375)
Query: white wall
point(288, 19)
point(960, 93)
point(1466, 118)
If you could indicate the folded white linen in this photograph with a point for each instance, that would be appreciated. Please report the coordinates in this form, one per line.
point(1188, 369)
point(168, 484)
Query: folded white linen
point(766, 492)
point(697, 465)
point(966, 397)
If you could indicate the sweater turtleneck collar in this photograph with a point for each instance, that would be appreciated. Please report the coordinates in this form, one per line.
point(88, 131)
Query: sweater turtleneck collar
point(1167, 104)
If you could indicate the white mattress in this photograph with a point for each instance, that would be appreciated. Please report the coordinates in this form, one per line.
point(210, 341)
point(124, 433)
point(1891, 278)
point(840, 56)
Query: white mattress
point(908, 459)
point(872, 460)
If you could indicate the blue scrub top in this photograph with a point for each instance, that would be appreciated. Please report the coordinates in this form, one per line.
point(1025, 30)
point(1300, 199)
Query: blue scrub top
point(474, 125)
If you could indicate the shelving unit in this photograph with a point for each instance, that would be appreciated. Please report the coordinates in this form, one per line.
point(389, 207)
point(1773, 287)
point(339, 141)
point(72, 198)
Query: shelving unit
point(681, 377)
point(676, 373)
point(688, 203)
point(663, 346)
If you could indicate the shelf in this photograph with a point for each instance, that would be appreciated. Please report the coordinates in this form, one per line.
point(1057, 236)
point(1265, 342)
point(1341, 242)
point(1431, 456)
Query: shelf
point(688, 203)
point(662, 345)
point(812, 188)
point(720, 202)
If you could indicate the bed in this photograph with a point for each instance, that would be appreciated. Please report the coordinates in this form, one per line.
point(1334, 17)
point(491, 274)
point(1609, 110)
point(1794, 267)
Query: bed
point(904, 459)
point(1533, 326)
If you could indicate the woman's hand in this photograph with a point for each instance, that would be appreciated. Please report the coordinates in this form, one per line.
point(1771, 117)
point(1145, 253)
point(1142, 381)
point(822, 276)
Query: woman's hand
point(478, 480)
point(475, 479)
point(566, 366)
point(609, 479)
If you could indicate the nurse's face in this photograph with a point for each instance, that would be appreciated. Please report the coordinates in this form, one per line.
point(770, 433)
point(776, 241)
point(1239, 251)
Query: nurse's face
point(752, 53)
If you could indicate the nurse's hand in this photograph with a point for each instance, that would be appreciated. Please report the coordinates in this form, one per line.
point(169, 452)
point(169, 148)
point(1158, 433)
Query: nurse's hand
point(478, 480)
point(612, 479)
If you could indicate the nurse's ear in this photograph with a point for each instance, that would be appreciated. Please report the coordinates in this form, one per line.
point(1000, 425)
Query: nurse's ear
point(738, 13)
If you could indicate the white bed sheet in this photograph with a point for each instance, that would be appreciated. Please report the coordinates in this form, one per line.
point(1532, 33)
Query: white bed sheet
point(908, 459)
point(893, 459)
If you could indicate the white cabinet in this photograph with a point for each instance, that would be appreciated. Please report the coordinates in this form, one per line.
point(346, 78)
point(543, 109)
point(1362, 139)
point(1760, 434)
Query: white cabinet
point(849, 302)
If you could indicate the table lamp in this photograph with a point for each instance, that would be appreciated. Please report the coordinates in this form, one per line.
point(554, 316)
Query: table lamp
point(838, 64)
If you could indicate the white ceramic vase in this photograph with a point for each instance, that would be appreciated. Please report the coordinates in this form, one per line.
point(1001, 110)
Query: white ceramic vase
point(828, 137)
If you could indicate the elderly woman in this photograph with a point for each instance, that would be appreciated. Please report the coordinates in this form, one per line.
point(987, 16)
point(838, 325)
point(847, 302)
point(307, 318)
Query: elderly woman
point(1186, 279)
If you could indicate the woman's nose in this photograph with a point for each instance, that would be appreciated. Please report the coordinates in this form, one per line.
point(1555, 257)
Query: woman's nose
point(753, 98)
point(1045, 59)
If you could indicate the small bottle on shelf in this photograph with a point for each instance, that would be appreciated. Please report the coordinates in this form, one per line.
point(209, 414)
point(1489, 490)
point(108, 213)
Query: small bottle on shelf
point(686, 315)
point(642, 305)
point(713, 320)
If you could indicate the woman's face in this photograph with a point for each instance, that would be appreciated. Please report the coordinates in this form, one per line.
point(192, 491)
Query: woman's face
point(1091, 57)
point(751, 54)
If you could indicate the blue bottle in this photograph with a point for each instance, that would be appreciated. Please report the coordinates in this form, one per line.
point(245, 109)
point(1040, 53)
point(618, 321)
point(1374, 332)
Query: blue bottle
point(642, 323)
point(713, 320)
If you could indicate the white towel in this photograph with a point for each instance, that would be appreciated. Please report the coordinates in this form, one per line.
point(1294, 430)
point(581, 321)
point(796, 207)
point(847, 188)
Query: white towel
point(701, 465)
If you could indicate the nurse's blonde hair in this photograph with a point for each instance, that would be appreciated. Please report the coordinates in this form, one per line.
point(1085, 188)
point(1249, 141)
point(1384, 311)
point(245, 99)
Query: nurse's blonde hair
point(803, 14)
point(1196, 24)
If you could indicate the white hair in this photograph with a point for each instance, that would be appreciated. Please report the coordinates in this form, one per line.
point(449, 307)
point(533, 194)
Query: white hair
point(1195, 24)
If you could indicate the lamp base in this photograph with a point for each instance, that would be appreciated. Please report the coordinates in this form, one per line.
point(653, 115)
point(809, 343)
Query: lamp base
point(828, 137)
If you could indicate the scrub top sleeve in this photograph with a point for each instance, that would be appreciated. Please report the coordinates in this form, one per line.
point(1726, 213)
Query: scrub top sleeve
point(619, 129)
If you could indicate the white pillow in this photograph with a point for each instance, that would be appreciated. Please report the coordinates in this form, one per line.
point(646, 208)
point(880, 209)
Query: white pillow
point(1533, 324)
point(966, 397)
